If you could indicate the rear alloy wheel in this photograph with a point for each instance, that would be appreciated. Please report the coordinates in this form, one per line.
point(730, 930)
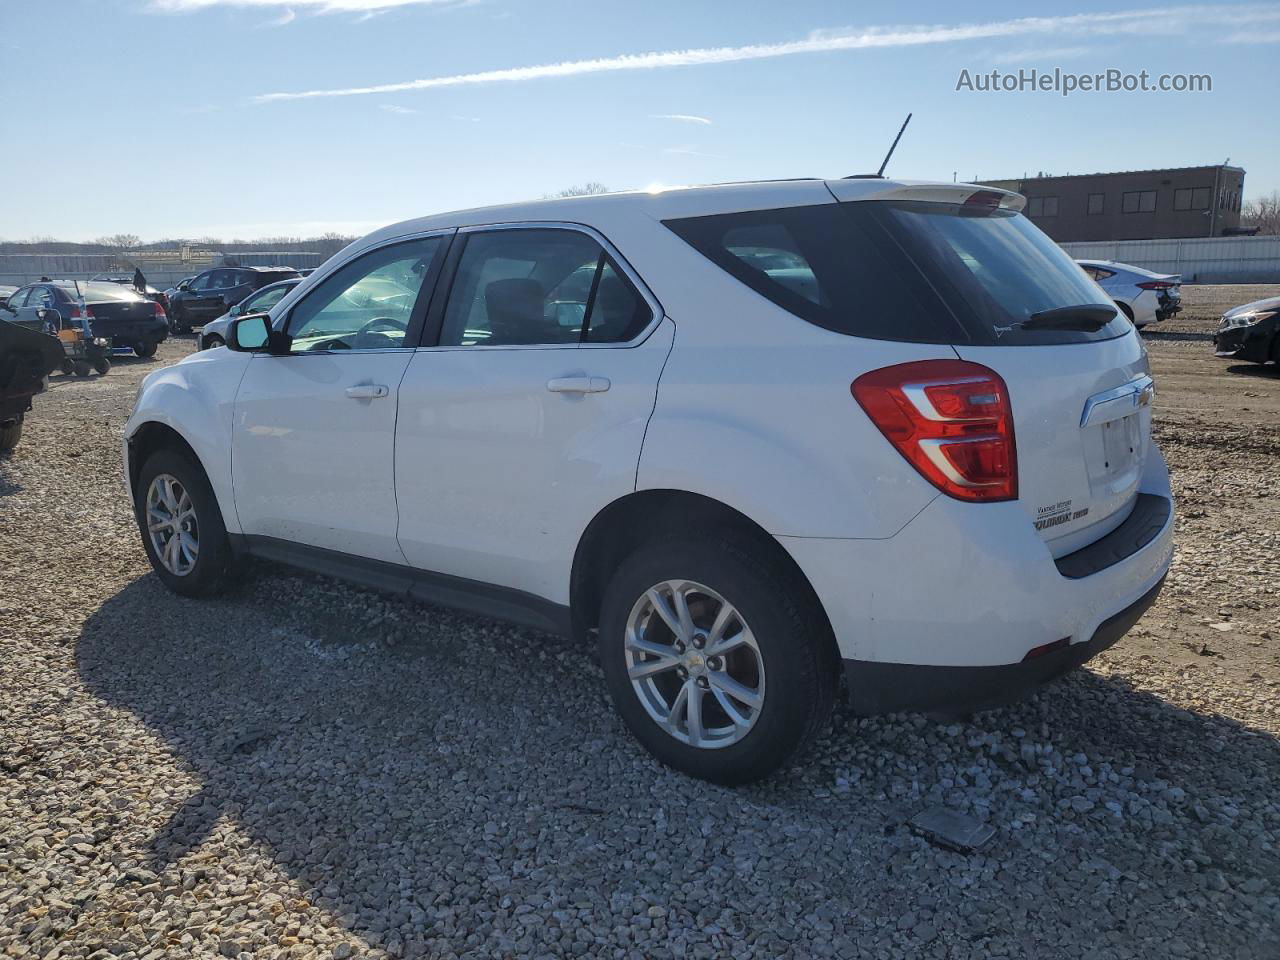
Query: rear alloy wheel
point(716, 657)
point(181, 525)
point(694, 664)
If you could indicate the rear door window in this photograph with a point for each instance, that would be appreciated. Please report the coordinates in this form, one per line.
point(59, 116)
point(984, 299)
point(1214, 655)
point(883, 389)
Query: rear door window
point(518, 287)
point(908, 271)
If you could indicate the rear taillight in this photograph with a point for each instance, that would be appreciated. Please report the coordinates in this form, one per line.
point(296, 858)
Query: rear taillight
point(159, 311)
point(1157, 285)
point(953, 422)
point(75, 313)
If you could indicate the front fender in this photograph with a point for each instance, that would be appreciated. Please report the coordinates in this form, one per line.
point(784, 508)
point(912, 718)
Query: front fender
point(196, 399)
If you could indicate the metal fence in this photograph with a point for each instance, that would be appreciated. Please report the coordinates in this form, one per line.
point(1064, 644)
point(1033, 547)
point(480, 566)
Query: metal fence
point(161, 272)
point(1199, 260)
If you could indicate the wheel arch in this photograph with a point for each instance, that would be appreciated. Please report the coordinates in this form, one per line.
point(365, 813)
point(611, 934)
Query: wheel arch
point(637, 518)
point(150, 437)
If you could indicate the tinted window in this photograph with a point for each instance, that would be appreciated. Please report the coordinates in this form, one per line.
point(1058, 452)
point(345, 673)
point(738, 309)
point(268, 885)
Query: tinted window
point(99, 292)
point(367, 304)
point(40, 297)
point(223, 279)
point(539, 287)
point(18, 298)
point(201, 282)
point(261, 302)
point(923, 272)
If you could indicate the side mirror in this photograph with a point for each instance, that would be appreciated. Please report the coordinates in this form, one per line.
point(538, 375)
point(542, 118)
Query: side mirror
point(249, 334)
point(234, 311)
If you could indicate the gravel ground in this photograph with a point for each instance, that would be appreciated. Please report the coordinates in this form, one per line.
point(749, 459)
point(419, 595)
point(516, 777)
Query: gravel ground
point(306, 769)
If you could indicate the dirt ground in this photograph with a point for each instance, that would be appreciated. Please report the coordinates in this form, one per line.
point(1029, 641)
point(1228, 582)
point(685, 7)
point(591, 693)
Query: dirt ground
point(306, 769)
point(1218, 424)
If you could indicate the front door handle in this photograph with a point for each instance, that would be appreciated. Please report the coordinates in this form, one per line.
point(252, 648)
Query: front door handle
point(367, 391)
point(579, 385)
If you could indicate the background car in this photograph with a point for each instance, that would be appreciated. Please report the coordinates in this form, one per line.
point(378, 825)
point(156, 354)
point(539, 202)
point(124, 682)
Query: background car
point(1250, 331)
point(1145, 297)
point(117, 314)
point(151, 293)
point(208, 295)
point(7, 290)
point(214, 333)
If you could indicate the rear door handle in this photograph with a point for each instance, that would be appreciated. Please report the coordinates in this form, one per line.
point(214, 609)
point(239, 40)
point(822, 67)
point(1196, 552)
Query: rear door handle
point(367, 391)
point(578, 384)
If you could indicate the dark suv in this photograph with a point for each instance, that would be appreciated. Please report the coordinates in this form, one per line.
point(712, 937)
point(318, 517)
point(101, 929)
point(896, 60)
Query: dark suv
point(208, 295)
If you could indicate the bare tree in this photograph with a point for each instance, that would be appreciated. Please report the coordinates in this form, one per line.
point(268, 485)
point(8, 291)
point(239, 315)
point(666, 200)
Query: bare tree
point(588, 189)
point(120, 241)
point(1263, 213)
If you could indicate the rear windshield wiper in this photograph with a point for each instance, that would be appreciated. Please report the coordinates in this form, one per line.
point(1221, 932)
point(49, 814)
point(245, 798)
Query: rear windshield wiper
point(1083, 316)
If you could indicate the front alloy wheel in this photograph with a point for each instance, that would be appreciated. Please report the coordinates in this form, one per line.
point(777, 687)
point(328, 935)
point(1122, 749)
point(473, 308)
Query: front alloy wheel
point(172, 525)
point(694, 664)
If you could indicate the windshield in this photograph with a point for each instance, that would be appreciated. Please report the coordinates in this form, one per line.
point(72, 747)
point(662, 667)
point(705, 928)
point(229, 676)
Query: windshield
point(910, 271)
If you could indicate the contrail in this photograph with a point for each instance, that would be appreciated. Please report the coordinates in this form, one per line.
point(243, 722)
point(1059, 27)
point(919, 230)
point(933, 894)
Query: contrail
point(1167, 20)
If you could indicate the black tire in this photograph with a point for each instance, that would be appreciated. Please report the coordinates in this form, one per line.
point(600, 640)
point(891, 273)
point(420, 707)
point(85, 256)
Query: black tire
point(1128, 312)
point(102, 365)
point(214, 341)
point(794, 641)
point(145, 349)
point(67, 367)
point(213, 559)
point(81, 368)
point(10, 434)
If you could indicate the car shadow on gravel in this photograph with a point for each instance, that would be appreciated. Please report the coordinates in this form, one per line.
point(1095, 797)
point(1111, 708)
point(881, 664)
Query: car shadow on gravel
point(1270, 371)
point(415, 789)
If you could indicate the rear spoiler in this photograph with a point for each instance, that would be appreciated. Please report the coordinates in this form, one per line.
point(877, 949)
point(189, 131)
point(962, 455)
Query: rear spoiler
point(866, 189)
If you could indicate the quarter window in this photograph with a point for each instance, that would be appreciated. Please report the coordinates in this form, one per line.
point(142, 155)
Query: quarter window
point(521, 287)
point(367, 304)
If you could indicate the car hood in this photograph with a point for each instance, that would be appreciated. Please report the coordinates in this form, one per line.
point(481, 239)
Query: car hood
point(1257, 306)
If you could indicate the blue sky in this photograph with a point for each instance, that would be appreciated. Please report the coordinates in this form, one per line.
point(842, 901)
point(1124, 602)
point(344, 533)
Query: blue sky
point(162, 119)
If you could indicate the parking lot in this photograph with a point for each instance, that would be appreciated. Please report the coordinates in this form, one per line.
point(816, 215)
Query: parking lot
point(304, 768)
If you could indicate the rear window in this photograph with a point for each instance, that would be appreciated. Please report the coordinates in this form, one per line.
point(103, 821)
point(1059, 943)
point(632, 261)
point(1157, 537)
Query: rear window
point(908, 271)
point(100, 292)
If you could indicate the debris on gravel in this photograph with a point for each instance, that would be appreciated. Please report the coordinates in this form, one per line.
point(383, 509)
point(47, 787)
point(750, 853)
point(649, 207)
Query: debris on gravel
point(305, 769)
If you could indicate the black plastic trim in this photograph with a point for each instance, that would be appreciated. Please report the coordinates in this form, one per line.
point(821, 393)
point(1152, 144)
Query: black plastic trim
point(484, 599)
point(1149, 516)
point(893, 687)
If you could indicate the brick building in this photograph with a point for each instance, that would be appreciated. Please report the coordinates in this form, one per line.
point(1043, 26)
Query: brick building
point(1134, 205)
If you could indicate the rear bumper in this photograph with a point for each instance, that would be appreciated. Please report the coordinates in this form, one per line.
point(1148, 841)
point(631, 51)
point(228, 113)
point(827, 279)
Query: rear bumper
point(126, 334)
point(892, 687)
point(966, 591)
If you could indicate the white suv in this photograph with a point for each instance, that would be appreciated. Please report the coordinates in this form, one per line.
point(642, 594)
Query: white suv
point(756, 437)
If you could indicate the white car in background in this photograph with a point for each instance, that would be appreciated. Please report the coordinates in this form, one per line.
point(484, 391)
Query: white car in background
point(214, 333)
point(752, 438)
point(1145, 297)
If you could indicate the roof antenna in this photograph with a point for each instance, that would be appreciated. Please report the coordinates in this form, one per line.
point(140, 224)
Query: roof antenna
point(880, 172)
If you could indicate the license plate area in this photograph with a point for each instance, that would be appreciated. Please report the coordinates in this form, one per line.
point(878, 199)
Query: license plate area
point(1114, 454)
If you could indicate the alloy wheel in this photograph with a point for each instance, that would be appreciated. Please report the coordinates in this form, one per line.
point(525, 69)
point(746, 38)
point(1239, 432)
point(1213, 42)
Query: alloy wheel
point(172, 525)
point(694, 664)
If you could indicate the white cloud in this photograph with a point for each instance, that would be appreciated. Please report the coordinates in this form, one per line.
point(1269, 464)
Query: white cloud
point(285, 18)
point(1169, 19)
point(686, 117)
point(396, 108)
point(322, 6)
